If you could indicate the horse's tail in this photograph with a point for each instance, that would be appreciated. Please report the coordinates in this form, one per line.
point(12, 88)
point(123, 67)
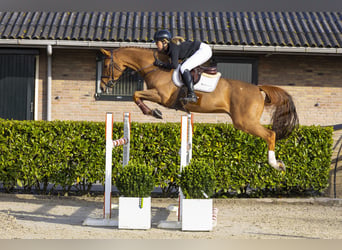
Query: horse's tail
point(284, 118)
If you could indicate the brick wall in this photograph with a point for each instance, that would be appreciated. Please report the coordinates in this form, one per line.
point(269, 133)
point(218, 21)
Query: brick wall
point(313, 81)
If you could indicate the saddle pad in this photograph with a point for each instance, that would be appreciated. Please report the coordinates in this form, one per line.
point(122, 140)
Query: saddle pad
point(207, 82)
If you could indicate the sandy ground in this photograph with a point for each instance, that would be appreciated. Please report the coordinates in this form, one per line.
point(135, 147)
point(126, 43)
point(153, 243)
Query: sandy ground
point(25, 216)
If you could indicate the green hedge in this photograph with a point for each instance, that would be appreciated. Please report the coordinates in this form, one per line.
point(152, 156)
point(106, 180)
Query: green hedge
point(135, 179)
point(72, 155)
point(198, 179)
point(34, 154)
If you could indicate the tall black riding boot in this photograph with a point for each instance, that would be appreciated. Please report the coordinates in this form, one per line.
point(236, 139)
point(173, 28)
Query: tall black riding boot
point(191, 97)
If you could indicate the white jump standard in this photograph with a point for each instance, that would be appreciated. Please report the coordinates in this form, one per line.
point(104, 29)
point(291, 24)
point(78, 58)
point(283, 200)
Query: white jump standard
point(110, 144)
point(186, 155)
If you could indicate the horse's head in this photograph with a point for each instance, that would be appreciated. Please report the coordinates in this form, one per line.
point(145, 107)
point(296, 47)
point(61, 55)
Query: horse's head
point(112, 69)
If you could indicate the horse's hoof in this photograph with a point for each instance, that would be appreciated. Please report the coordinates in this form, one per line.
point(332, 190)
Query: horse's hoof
point(157, 114)
point(281, 166)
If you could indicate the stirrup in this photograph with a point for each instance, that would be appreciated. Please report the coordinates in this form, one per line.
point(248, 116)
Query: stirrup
point(190, 98)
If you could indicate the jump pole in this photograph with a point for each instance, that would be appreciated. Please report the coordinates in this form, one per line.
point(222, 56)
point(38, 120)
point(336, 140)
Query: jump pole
point(110, 144)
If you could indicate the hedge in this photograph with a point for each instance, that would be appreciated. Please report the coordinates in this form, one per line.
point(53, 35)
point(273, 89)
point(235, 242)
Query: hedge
point(71, 154)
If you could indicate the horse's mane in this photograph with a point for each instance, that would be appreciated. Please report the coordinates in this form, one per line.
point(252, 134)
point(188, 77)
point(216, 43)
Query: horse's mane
point(141, 52)
point(144, 52)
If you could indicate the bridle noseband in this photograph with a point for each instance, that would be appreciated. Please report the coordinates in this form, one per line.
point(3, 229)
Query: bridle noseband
point(111, 82)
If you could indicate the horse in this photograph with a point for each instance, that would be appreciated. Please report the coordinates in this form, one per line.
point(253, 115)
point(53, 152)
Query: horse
point(243, 102)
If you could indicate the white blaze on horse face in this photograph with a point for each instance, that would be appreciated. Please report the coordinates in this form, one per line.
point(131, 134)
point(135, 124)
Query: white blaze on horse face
point(271, 159)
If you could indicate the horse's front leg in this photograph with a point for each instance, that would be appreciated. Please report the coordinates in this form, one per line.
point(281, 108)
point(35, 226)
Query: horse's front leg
point(150, 95)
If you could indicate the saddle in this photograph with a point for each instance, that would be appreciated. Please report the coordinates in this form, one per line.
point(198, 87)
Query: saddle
point(205, 78)
point(196, 72)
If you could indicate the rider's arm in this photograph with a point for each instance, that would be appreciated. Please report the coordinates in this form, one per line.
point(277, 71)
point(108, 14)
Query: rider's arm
point(164, 65)
point(173, 53)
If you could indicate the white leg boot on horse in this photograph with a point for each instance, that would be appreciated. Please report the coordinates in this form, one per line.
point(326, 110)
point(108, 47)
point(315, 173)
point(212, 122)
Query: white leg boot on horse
point(279, 165)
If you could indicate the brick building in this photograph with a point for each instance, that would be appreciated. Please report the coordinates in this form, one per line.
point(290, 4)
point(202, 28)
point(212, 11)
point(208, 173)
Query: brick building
point(298, 51)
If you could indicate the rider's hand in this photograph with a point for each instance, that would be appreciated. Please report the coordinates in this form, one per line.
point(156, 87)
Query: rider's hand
point(158, 63)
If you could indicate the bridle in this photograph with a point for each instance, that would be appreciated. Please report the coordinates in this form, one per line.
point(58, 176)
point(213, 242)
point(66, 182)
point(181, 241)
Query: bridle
point(113, 65)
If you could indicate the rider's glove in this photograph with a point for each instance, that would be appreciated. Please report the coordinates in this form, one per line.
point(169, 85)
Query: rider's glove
point(158, 63)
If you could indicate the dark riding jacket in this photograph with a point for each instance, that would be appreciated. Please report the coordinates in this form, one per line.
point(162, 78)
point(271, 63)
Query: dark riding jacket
point(180, 52)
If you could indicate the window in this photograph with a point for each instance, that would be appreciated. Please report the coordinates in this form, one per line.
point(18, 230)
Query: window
point(127, 84)
point(238, 68)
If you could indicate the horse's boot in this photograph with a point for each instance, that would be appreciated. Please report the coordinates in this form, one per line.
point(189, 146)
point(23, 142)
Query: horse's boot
point(187, 79)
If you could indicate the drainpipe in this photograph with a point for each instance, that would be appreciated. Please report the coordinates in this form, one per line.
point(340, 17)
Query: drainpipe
point(48, 105)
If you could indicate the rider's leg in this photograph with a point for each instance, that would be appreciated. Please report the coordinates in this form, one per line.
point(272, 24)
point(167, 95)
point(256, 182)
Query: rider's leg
point(202, 55)
point(187, 79)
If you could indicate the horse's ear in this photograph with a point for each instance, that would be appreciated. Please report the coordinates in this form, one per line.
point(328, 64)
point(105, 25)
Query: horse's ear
point(105, 52)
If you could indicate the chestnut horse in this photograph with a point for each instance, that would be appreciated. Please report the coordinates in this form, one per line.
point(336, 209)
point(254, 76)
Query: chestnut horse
point(244, 102)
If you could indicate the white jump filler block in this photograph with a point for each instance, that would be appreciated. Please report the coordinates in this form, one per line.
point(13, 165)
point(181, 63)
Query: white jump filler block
point(134, 213)
point(197, 215)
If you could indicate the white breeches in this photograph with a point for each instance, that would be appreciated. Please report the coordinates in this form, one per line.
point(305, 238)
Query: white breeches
point(202, 55)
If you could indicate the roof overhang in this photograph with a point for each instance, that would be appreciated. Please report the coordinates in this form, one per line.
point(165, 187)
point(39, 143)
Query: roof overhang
point(277, 49)
point(218, 48)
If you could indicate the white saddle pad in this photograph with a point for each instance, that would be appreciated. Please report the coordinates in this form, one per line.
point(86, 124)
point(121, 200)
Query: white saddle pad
point(207, 83)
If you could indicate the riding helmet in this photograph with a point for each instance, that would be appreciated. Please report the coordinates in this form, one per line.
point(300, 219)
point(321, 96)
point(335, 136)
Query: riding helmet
point(161, 35)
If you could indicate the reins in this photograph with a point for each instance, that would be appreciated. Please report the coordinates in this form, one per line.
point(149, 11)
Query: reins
point(138, 70)
point(142, 68)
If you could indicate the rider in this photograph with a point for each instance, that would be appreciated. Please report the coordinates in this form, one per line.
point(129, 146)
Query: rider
point(194, 53)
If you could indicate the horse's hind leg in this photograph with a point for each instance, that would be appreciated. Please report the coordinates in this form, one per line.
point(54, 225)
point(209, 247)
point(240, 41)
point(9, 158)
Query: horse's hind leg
point(270, 138)
point(255, 128)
